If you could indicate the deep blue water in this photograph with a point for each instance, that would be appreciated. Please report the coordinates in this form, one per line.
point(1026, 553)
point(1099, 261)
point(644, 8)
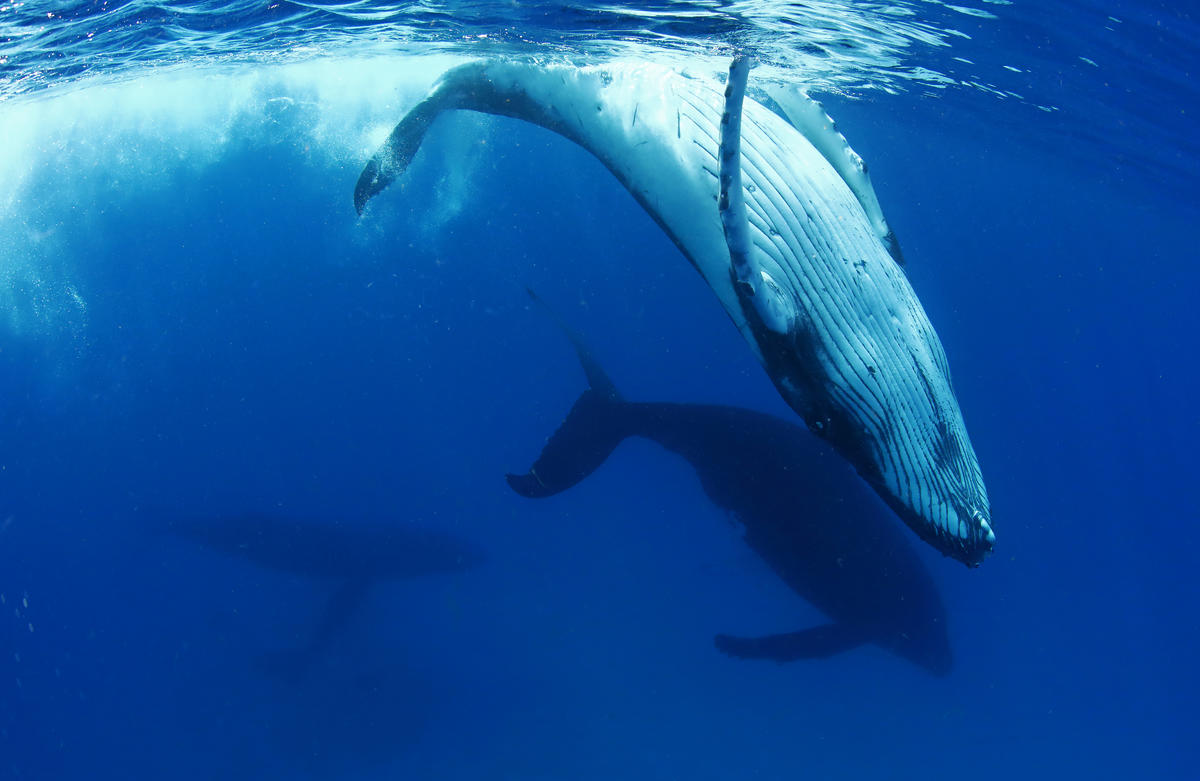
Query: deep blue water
point(193, 321)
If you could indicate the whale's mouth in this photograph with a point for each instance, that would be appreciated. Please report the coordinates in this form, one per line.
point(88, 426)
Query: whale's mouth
point(985, 526)
point(970, 539)
point(958, 530)
point(948, 510)
point(980, 539)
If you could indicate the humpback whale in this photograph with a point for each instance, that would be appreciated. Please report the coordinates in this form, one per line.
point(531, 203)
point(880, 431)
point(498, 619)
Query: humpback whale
point(352, 555)
point(801, 509)
point(776, 212)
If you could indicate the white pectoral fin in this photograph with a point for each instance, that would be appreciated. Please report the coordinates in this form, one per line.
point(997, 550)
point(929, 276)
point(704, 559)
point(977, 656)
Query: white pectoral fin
point(732, 200)
point(773, 304)
point(809, 117)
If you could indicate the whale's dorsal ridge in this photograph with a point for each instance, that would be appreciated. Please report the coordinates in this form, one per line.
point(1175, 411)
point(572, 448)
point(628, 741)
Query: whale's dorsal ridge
point(814, 123)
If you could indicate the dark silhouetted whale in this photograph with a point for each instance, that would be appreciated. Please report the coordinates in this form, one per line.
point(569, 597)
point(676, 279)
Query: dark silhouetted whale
point(352, 555)
point(778, 215)
point(803, 510)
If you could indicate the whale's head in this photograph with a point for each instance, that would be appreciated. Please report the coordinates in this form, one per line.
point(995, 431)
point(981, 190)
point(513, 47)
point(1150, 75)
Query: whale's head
point(820, 291)
point(878, 389)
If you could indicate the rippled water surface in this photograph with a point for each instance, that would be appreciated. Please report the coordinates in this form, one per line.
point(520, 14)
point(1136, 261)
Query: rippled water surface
point(1114, 76)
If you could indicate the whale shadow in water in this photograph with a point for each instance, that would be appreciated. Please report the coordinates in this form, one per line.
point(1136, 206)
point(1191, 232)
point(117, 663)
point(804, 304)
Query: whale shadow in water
point(803, 509)
point(353, 556)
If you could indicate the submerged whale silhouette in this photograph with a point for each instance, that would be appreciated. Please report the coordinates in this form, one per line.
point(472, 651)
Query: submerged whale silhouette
point(353, 555)
point(803, 510)
point(777, 214)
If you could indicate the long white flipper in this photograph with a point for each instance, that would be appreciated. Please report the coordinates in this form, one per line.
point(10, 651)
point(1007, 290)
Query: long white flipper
point(755, 287)
point(731, 204)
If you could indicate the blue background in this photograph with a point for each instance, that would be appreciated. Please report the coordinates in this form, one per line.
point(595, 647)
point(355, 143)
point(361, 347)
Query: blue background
point(198, 323)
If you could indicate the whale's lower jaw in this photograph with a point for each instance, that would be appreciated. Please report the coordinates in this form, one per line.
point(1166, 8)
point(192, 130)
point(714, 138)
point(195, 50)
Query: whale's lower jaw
point(971, 548)
point(937, 490)
point(810, 284)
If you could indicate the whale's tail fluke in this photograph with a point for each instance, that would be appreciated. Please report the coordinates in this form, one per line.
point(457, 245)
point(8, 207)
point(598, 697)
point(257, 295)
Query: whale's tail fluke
point(397, 152)
point(592, 429)
point(393, 158)
point(459, 87)
point(581, 444)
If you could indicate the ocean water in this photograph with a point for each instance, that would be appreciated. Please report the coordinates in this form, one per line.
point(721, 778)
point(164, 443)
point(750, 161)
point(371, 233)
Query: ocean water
point(194, 323)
